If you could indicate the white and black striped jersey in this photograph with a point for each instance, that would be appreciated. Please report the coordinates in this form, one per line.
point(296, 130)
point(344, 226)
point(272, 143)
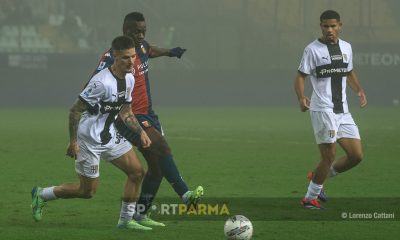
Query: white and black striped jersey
point(104, 95)
point(328, 66)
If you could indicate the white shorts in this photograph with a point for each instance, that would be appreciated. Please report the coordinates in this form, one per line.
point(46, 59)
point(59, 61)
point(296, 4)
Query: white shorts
point(329, 126)
point(88, 159)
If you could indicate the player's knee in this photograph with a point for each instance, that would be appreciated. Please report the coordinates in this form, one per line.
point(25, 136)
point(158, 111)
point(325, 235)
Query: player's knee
point(357, 158)
point(137, 175)
point(155, 174)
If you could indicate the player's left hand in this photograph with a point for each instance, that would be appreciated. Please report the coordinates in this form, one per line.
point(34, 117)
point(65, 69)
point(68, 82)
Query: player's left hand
point(176, 52)
point(73, 149)
point(363, 99)
point(145, 140)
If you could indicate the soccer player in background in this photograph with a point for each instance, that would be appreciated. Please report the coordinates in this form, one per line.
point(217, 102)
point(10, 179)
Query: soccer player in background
point(93, 136)
point(328, 61)
point(158, 156)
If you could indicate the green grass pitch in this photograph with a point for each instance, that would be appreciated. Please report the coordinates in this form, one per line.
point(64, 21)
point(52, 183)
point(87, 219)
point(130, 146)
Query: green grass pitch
point(235, 153)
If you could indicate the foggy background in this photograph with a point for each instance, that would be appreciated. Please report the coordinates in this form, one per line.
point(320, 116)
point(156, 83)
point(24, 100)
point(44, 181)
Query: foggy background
point(240, 52)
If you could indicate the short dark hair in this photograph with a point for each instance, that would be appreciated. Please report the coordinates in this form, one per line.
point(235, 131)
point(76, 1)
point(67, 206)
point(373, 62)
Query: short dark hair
point(329, 14)
point(122, 43)
point(133, 17)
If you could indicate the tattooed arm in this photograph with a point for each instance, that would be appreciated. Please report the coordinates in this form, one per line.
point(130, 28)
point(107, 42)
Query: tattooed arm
point(131, 122)
point(74, 117)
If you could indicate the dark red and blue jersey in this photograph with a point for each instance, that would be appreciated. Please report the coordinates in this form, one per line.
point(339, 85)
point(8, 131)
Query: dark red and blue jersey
point(141, 98)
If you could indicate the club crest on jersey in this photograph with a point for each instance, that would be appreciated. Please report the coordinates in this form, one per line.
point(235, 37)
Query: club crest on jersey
point(146, 124)
point(331, 133)
point(94, 169)
point(345, 57)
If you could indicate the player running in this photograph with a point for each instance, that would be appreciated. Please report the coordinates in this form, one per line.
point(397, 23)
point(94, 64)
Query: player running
point(93, 136)
point(158, 156)
point(329, 63)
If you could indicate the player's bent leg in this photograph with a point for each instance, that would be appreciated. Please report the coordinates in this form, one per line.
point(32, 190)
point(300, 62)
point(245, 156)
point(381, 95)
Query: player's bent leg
point(328, 152)
point(86, 188)
point(130, 164)
point(162, 151)
point(354, 154)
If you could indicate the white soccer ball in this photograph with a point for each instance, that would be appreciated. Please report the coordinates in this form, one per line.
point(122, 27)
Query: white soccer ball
point(238, 227)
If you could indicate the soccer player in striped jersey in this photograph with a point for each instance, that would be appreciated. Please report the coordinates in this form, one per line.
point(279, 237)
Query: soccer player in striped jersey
point(328, 61)
point(158, 156)
point(93, 136)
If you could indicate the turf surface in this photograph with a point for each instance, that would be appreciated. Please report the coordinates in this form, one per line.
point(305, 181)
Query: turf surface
point(235, 153)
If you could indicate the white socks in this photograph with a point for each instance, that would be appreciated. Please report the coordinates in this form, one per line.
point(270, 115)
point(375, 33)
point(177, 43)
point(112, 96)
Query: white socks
point(47, 194)
point(313, 191)
point(185, 197)
point(127, 211)
point(332, 172)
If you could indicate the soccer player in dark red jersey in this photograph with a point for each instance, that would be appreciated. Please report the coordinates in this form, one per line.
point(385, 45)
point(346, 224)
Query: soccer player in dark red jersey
point(158, 156)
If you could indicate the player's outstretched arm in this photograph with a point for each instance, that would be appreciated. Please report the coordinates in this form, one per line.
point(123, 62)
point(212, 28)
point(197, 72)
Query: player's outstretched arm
point(131, 122)
point(173, 52)
point(299, 82)
point(353, 82)
point(75, 113)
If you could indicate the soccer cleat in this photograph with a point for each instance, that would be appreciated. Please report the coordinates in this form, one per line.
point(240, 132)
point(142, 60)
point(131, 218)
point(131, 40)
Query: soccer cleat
point(37, 204)
point(148, 222)
point(311, 204)
point(132, 224)
point(193, 197)
point(322, 195)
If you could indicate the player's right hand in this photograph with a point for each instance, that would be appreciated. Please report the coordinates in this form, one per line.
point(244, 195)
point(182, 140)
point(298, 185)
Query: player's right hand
point(304, 104)
point(145, 140)
point(73, 149)
point(176, 52)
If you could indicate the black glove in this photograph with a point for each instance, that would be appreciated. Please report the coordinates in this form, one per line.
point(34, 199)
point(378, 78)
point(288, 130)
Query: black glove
point(176, 52)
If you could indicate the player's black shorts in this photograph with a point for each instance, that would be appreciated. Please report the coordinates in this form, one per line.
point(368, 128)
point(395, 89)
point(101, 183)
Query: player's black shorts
point(145, 120)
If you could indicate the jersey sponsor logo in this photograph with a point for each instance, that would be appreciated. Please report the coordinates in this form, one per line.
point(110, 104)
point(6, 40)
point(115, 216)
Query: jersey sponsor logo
point(332, 70)
point(329, 71)
point(143, 66)
point(107, 107)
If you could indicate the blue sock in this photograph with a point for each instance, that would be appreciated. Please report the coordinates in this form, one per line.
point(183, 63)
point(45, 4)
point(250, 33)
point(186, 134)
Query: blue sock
point(150, 187)
point(171, 173)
